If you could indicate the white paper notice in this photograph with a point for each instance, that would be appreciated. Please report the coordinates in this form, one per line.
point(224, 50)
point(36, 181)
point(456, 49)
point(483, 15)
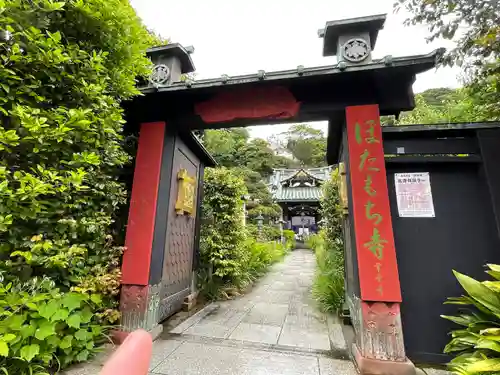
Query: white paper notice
point(414, 195)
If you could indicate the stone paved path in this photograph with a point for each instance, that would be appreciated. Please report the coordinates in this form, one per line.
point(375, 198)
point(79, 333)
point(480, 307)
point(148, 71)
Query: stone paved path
point(275, 329)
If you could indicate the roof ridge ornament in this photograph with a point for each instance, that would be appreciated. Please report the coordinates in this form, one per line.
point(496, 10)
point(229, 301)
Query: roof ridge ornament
point(170, 62)
point(352, 40)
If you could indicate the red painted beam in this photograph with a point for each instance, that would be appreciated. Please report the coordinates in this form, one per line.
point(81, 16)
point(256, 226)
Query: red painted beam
point(142, 211)
point(377, 263)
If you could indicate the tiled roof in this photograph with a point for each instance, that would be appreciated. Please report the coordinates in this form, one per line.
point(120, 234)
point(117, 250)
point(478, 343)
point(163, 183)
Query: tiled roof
point(322, 173)
point(299, 194)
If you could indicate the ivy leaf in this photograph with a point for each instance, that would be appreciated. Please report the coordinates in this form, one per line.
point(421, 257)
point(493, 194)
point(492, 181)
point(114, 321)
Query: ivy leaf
point(83, 355)
point(74, 321)
point(81, 335)
point(28, 352)
point(96, 298)
point(32, 306)
point(25, 254)
point(16, 322)
point(72, 301)
point(8, 337)
point(4, 349)
point(45, 330)
point(53, 341)
point(66, 342)
point(47, 310)
point(86, 315)
point(61, 314)
point(27, 330)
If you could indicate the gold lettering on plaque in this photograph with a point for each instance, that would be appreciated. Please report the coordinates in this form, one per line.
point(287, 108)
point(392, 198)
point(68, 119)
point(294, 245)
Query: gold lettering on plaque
point(186, 196)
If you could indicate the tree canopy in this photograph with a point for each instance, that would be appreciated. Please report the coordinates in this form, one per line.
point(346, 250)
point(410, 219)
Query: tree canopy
point(254, 159)
point(474, 26)
point(444, 106)
point(306, 144)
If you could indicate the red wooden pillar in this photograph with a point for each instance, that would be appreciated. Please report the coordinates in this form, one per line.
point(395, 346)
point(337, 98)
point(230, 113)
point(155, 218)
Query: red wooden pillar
point(139, 300)
point(379, 344)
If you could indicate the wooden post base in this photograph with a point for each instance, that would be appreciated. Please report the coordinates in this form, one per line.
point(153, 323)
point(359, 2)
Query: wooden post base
point(368, 366)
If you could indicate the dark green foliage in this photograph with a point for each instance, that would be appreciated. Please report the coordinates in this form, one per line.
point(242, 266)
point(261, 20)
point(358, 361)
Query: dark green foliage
point(251, 159)
point(473, 26)
point(476, 343)
point(230, 258)
point(332, 212)
point(328, 287)
point(438, 97)
point(66, 66)
point(445, 106)
point(260, 202)
point(48, 328)
point(222, 232)
point(234, 148)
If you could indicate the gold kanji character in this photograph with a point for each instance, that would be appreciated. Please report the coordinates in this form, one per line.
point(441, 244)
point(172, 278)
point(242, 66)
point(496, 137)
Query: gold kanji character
point(380, 290)
point(365, 156)
point(371, 133)
point(357, 132)
point(372, 216)
point(376, 244)
point(368, 186)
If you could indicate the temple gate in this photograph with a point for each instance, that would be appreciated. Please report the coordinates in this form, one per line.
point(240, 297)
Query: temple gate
point(351, 94)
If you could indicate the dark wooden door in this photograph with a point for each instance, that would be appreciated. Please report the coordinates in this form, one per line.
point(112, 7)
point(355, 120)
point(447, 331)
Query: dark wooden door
point(462, 236)
point(180, 238)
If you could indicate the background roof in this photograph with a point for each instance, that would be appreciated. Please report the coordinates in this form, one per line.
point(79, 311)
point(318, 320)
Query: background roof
point(297, 194)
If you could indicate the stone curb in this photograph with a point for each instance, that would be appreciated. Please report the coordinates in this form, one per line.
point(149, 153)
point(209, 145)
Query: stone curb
point(243, 344)
point(194, 319)
point(337, 341)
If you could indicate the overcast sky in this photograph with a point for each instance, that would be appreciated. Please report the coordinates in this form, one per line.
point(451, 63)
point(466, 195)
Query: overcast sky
point(235, 37)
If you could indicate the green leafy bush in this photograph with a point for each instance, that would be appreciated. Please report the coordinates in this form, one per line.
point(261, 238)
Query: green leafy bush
point(289, 238)
point(269, 232)
point(477, 344)
point(314, 241)
point(231, 256)
point(222, 254)
point(328, 286)
point(66, 66)
point(43, 328)
point(262, 255)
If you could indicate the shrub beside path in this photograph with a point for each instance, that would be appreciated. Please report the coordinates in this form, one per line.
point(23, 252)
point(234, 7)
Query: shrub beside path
point(276, 329)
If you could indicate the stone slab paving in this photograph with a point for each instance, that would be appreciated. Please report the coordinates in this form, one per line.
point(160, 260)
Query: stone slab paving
point(274, 329)
point(279, 310)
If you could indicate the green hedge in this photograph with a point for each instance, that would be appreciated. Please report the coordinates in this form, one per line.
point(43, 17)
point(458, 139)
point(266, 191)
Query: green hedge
point(66, 66)
point(328, 287)
point(231, 257)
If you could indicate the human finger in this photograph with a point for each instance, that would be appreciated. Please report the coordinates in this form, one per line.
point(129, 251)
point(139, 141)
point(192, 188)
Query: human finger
point(132, 357)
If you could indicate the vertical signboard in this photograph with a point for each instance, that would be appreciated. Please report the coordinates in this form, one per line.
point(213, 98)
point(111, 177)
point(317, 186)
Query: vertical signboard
point(377, 264)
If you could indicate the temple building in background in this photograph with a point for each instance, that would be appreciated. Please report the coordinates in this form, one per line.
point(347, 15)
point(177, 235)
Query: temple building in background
point(298, 192)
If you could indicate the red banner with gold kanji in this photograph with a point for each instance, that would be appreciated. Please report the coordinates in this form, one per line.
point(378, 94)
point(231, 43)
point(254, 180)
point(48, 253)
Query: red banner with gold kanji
point(377, 264)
